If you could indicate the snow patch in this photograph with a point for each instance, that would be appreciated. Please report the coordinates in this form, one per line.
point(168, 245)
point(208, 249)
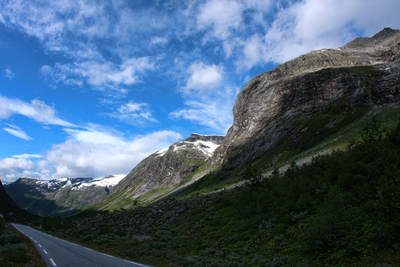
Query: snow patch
point(68, 183)
point(207, 148)
point(111, 180)
point(162, 152)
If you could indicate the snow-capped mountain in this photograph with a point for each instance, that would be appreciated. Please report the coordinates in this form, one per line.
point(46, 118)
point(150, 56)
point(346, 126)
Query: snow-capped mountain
point(164, 170)
point(63, 196)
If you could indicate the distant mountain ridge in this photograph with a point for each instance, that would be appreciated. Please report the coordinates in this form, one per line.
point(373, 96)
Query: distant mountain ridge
point(63, 196)
point(163, 169)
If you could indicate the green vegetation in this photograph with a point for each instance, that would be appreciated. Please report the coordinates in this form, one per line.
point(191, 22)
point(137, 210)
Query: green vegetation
point(342, 209)
point(16, 249)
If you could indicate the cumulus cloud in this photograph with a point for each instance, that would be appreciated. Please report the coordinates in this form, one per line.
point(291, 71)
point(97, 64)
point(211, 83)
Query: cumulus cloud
point(9, 74)
point(36, 110)
point(17, 131)
point(87, 153)
point(204, 76)
point(83, 157)
point(311, 24)
point(14, 168)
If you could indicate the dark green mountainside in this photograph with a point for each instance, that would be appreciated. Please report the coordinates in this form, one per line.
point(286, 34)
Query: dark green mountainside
point(12, 212)
point(60, 197)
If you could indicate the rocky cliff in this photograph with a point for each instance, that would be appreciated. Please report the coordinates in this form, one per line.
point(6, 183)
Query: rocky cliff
point(165, 168)
point(270, 107)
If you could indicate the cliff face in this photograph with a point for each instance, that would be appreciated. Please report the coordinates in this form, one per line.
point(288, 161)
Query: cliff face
point(169, 166)
point(365, 71)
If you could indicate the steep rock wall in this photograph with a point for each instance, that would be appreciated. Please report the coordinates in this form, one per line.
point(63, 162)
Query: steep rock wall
point(364, 71)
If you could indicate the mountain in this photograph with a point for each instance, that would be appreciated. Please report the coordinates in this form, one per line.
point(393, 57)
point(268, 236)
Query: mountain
point(308, 106)
point(341, 209)
point(63, 196)
point(301, 102)
point(10, 211)
point(163, 172)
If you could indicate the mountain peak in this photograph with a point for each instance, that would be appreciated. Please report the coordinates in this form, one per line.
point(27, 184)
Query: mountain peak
point(377, 42)
point(217, 139)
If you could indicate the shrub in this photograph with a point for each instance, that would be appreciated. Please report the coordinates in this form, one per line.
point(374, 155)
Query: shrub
point(9, 237)
point(14, 253)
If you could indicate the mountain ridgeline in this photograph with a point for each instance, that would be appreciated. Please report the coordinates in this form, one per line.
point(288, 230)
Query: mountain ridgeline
point(307, 106)
point(60, 197)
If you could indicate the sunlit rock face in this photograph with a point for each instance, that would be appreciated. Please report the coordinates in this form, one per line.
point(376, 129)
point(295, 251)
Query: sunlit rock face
point(365, 71)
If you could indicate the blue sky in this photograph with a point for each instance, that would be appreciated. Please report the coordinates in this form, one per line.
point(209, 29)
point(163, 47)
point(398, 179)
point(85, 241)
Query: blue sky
point(90, 88)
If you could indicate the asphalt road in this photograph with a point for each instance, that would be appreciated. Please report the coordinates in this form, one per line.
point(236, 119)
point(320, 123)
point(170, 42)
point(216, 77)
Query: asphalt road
point(61, 253)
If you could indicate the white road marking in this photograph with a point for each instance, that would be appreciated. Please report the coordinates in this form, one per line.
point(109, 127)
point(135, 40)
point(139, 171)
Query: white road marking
point(108, 255)
point(35, 241)
point(54, 264)
point(45, 251)
point(40, 245)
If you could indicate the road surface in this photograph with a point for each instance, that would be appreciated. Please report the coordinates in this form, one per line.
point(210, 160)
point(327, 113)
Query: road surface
point(61, 253)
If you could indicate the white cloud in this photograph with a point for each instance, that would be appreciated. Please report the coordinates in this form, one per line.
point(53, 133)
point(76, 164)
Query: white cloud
point(134, 113)
point(9, 74)
point(91, 136)
point(82, 157)
point(213, 111)
point(36, 110)
point(204, 77)
point(254, 52)
point(13, 168)
point(17, 131)
point(27, 156)
point(221, 16)
point(87, 153)
point(313, 24)
point(99, 74)
point(159, 40)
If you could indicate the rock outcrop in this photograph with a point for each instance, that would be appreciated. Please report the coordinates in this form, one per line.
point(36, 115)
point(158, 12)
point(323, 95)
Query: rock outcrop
point(365, 71)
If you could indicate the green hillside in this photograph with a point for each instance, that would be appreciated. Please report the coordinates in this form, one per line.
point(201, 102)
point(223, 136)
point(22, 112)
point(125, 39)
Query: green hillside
point(13, 213)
